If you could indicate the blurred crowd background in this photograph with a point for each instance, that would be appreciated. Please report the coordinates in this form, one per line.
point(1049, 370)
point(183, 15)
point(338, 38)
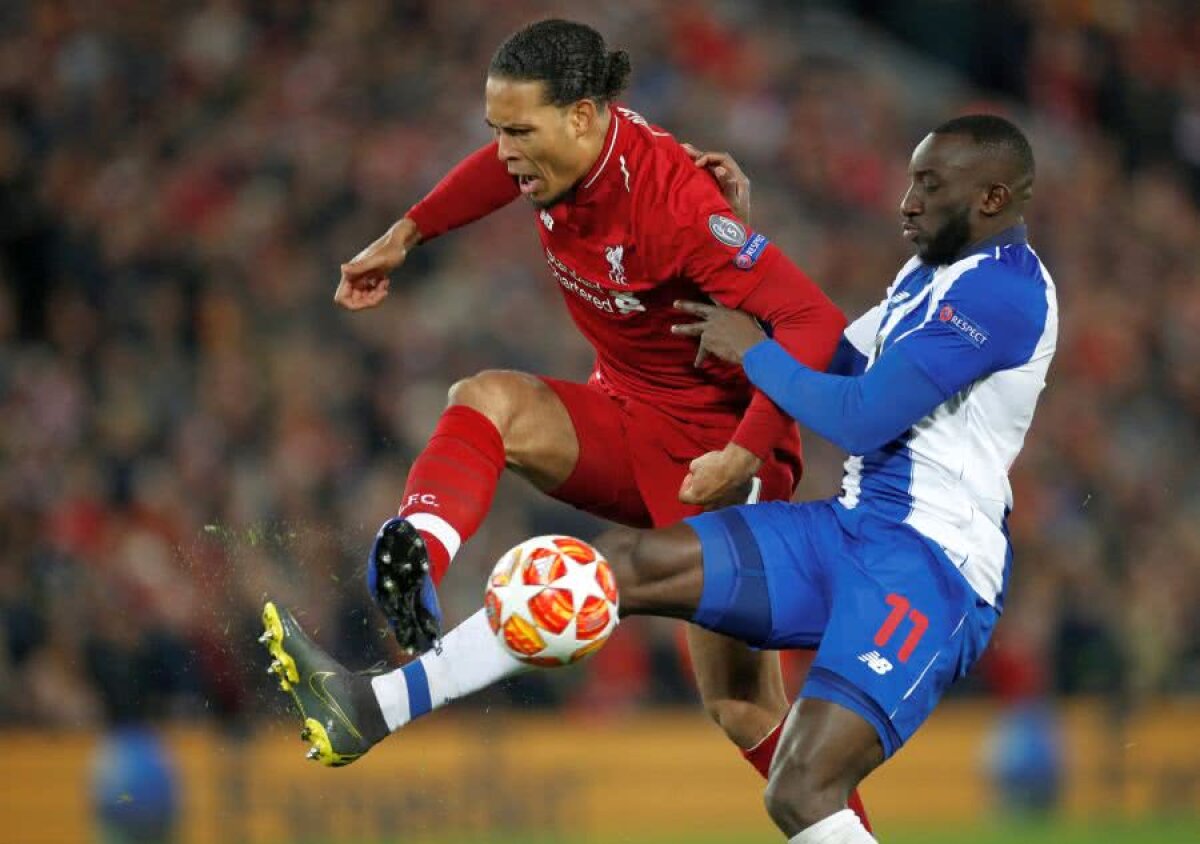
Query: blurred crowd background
point(189, 424)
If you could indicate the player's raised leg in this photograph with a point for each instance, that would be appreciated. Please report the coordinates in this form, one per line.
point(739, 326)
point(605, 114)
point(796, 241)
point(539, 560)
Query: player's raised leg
point(468, 659)
point(345, 713)
point(494, 419)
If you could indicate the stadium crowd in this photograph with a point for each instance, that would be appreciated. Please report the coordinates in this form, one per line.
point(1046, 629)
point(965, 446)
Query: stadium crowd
point(189, 423)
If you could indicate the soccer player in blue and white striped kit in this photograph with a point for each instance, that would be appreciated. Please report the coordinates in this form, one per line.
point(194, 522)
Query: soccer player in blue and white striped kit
point(899, 581)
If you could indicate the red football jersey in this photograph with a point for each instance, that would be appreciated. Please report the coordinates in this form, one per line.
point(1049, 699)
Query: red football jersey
point(644, 228)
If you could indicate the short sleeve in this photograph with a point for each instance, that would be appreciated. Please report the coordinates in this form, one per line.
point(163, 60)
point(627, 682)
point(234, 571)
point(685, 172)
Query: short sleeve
point(990, 319)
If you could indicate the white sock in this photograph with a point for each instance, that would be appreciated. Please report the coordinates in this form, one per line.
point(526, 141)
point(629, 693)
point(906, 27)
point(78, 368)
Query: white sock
point(469, 659)
point(842, 827)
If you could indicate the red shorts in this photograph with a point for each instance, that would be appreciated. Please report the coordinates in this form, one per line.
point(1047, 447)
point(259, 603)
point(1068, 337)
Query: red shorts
point(633, 459)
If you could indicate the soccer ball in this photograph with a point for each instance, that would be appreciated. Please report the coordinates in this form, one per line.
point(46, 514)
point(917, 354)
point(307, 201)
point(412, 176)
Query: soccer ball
point(552, 600)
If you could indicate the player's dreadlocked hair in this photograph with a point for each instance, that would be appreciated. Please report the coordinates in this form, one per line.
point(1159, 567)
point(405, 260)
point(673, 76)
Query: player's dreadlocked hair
point(570, 58)
point(993, 131)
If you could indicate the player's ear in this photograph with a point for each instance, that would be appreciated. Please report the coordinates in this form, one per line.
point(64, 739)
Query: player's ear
point(996, 199)
point(582, 117)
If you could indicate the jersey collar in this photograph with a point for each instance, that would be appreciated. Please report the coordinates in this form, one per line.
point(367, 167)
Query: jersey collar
point(1012, 236)
point(590, 184)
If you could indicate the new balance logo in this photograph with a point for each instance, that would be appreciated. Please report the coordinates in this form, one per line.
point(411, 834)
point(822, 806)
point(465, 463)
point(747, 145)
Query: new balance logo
point(547, 220)
point(879, 664)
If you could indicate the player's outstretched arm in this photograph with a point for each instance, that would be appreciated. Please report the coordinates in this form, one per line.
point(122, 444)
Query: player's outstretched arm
point(858, 413)
point(474, 188)
point(863, 412)
point(365, 279)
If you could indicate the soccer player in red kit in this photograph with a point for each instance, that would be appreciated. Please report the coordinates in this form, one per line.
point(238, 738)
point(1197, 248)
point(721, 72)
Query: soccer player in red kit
point(629, 225)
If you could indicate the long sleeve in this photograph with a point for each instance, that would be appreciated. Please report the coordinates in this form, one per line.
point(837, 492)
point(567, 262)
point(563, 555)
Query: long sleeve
point(847, 360)
point(990, 319)
point(474, 188)
point(858, 413)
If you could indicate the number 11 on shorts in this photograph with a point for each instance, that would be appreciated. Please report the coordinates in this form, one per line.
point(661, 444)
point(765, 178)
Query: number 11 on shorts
point(900, 608)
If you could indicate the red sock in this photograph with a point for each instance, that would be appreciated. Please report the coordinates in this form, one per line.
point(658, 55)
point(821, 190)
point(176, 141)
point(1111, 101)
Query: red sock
point(760, 757)
point(761, 754)
point(856, 806)
point(451, 484)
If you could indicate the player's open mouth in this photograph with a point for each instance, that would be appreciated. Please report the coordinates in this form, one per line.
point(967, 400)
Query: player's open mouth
point(529, 184)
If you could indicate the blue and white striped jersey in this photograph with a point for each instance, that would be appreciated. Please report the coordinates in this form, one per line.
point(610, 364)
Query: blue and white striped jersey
point(983, 329)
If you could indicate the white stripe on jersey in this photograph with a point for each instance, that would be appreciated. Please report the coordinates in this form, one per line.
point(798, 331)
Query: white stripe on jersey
point(957, 458)
point(608, 153)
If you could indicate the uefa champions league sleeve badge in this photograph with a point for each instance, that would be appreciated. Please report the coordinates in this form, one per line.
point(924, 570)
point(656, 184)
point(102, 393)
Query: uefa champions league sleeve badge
point(727, 230)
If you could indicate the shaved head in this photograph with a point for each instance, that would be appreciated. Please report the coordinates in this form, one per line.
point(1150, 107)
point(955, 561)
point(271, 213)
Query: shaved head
point(1001, 151)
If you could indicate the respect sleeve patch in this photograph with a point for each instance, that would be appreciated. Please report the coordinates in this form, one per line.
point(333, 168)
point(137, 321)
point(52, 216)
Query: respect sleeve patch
point(965, 325)
point(749, 254)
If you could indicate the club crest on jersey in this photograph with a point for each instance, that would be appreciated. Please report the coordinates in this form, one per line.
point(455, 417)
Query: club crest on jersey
point(616, 270)
point(749, 254)
point(969, 329)
point(727, 230)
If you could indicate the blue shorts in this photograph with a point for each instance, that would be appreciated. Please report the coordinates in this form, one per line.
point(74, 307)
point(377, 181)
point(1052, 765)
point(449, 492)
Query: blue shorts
point(893, 621)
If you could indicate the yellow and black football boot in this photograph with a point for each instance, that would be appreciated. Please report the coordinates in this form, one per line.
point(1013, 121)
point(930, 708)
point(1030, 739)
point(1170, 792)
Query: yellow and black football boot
point(342, 718)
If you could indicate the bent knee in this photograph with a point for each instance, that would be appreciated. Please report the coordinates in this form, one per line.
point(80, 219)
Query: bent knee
point(496, 393)
point(641, 577)
point(745, 721)
point(801, 793)
point(658, 572)
point(618, 545)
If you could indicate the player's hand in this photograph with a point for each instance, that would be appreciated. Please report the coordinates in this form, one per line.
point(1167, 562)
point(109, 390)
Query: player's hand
point(726, 333)
point(720, 478)
point(364, 282)
point(734, 184)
